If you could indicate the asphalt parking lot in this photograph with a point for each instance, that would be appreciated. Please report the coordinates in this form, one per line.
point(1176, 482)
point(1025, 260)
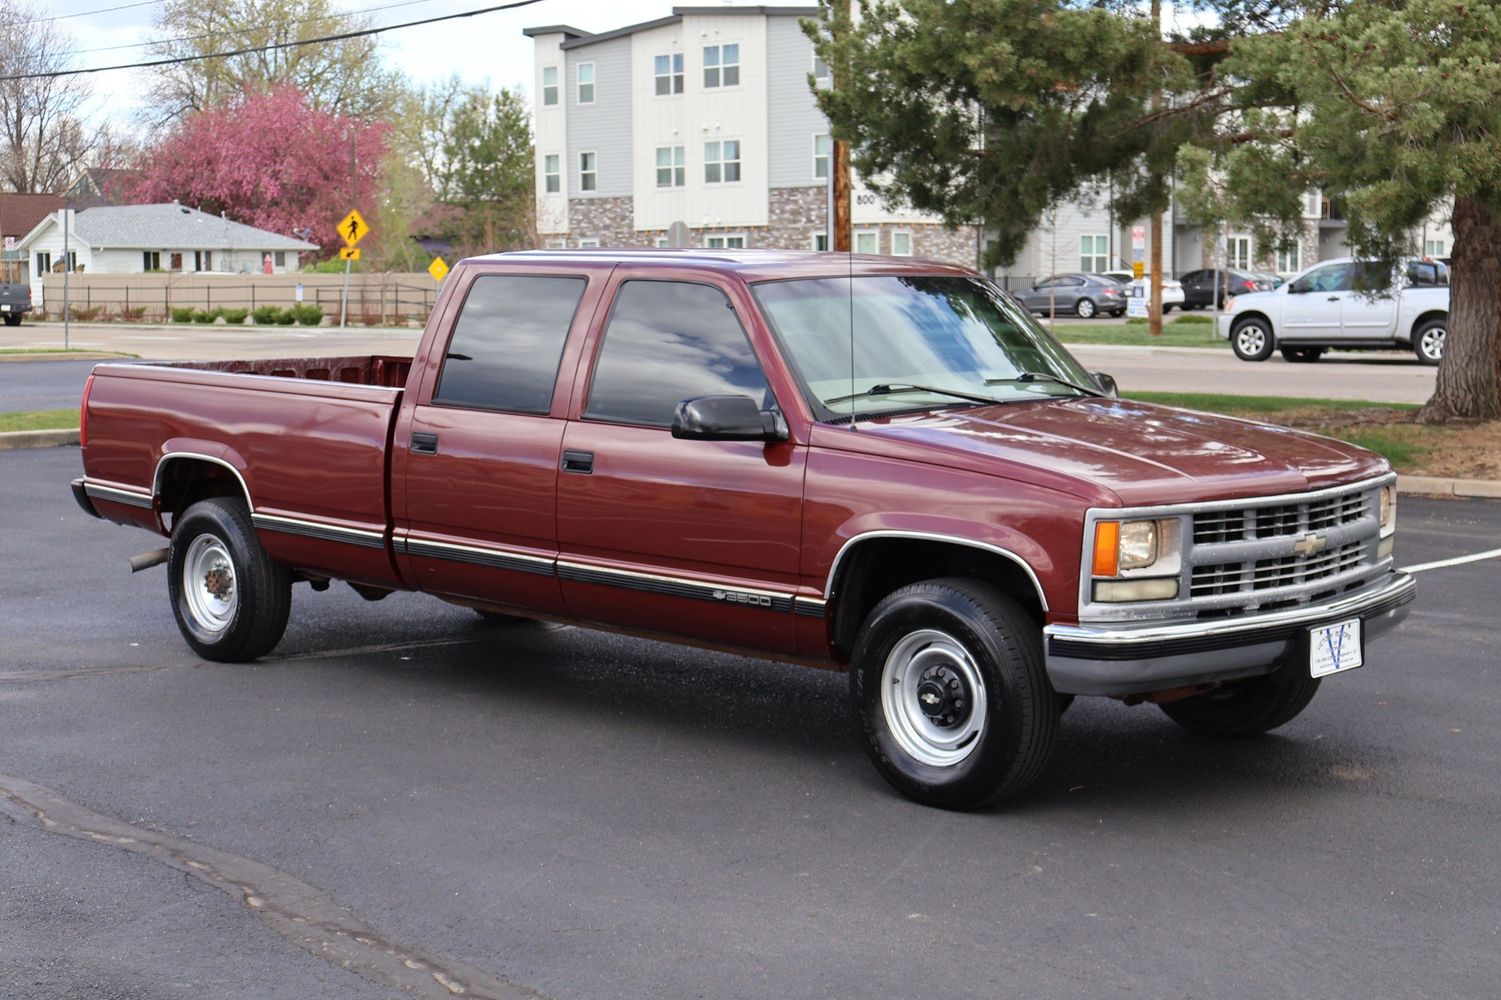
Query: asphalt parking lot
point(401, 791)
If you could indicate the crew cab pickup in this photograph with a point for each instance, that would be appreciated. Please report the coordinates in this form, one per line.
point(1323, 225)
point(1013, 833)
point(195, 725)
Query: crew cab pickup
point(869, 464)
point(1337, 305)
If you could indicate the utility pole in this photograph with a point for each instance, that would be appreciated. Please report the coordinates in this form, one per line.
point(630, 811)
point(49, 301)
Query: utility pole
point(843, 22)
point(1154, 309)
point(67, 267)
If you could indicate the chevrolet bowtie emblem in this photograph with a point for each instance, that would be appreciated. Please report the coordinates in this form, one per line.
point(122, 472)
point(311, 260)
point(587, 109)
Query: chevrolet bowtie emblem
point(1309, 544)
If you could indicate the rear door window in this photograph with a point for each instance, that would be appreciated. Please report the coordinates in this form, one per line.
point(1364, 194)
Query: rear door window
point(507, 343)
point(668, 341)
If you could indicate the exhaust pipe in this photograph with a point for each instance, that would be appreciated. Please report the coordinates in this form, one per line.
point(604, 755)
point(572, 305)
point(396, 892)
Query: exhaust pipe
point(146, 560)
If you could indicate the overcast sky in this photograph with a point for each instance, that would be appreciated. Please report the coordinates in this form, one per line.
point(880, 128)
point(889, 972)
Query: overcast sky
point(488, 46)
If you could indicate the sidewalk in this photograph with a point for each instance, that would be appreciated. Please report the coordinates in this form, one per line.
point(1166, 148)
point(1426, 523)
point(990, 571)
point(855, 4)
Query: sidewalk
point(191, 341)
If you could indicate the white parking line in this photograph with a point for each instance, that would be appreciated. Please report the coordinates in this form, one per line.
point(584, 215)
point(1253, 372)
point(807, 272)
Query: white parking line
point(1456, 561)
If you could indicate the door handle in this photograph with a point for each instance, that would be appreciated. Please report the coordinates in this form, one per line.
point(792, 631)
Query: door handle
point(1332, 298)
point(579, 462)
point(424, 443)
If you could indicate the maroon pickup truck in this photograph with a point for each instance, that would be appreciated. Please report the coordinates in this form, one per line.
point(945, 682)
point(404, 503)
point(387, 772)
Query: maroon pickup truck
point(863, 463)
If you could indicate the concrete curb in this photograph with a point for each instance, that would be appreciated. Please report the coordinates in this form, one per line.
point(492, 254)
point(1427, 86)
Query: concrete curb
point(1437, 487)
point(12, 440)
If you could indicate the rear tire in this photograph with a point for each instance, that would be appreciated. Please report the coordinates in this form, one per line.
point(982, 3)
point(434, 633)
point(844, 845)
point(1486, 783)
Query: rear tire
point(1428, 341)
point(1085, 308)
point(949, 691)
point(231, 600)
point(1301, 355)
point(14, 319)
point(1246, 708)
point(1251, 339)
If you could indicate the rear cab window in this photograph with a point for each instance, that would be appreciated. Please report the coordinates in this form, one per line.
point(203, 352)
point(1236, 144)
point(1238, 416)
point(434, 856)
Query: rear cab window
point(508, 341)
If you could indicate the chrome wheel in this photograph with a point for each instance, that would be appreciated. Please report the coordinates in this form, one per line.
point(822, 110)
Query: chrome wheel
point(1431, 343)
point(933, 698)
point(209, 585)
point(1085, 309)
point(1251, 340)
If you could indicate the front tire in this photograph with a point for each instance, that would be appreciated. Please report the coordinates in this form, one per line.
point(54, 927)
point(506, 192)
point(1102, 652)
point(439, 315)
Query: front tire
point(1085, 308)
point(230, 598)
point(1428, 341)
point(1252, 340)
point(949, 691)
point(1246, 708)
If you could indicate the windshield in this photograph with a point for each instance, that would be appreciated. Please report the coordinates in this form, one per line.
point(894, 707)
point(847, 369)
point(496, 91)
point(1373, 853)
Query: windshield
point(919, 342)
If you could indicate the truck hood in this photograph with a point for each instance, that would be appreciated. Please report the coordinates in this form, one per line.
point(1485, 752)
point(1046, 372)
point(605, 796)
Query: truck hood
point(1110, 451)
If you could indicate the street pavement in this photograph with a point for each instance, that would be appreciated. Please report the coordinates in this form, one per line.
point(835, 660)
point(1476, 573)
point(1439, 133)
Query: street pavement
point(1382, 376)
point(542, 810)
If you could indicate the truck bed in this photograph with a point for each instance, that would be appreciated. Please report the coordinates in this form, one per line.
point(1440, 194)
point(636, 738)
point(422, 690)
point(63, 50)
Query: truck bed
point(308, 437)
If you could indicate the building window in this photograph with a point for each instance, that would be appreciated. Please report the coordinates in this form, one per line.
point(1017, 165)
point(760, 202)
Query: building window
point(586, 83)
point(43, 264)
point(820, 241)
point(279, 259)
point(722, 162)
point(552, 168)
point(588, 244)
point(556, 244)
point(822, 75)
point(203, 260)
point(1433, 248)
point(868, 241)
point(823, 147)
point(735, 241)
point(901, 243)
point(151, 260)
point(668, 71)
point(663, 243)
point(1290, 261)
point(1239, 248)
point(721, 66)
point(1094, 254)
point(671, 166)
point(588, 172)
point(549, 86)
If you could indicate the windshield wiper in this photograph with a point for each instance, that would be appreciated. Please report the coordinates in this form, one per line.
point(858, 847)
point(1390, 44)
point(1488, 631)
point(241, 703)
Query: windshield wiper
point(890, 388)
point(1030, 378)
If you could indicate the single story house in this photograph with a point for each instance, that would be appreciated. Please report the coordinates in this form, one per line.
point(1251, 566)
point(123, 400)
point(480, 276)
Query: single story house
point(136, 239)
point(19, 214)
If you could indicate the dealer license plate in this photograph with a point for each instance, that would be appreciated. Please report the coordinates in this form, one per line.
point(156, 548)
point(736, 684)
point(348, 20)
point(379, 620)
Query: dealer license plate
point(1334, 648)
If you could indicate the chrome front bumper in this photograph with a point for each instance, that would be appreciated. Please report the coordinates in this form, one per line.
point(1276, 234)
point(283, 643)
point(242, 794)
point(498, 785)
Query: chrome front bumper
point(1120, 659)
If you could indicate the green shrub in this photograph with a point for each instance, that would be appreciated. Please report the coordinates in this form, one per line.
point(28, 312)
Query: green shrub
point(267, 315)
point(1137, 321)
point(183, 315)
point(1186, 320)
point(308, 314)
point(235, 317)
point(206, 315)
point(286, 317)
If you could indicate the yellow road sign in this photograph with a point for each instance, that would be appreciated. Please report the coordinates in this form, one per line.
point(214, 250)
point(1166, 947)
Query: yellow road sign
point(1138, 269)
point(349, 253)
point(353, 227)
point(438, 268)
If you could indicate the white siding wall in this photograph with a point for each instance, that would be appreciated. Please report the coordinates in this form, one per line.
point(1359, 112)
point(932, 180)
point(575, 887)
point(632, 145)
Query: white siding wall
point(51, 241)
point(551, 125)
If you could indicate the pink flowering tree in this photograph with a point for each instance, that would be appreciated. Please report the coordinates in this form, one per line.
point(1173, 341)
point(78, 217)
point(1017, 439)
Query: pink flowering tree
point(271, 161)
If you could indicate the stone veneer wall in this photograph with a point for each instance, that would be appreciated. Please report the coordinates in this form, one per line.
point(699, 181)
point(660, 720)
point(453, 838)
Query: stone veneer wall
point(794, 216)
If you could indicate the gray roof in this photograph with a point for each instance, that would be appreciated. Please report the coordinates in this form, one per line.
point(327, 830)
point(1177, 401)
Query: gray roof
point(579, 38)
point(173, 226)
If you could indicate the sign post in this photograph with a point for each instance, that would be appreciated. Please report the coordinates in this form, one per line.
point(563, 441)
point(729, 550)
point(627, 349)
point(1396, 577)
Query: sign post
point(353, 229)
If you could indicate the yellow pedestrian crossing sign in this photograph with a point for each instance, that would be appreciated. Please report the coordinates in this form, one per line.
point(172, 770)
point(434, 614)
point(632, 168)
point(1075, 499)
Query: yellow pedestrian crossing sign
point(438, 268)
point(349, 253)
point(353, 227)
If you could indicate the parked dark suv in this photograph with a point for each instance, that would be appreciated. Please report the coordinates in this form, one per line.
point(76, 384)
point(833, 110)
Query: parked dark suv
point(1198, 286)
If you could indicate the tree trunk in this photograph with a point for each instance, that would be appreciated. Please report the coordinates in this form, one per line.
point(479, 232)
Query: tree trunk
point(1469, 378)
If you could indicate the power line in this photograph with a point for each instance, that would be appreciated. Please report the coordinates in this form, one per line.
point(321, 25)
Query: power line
point(267, 48)
point(86, 13)
point(240, 31)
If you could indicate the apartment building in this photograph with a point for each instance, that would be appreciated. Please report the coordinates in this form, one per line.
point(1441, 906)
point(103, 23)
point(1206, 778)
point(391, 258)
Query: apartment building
point(703, 118)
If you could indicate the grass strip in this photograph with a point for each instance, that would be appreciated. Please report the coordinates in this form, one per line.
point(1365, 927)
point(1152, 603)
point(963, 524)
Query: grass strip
point(40, 420)
point(1236, 406)
point(1173, 335)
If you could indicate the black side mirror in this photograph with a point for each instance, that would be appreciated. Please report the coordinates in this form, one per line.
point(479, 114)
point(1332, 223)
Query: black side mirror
point(727, 418)
point(1107, 384)
point(1299, 287)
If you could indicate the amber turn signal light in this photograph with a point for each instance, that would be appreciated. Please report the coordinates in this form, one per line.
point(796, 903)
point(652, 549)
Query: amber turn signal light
point(1107, 542)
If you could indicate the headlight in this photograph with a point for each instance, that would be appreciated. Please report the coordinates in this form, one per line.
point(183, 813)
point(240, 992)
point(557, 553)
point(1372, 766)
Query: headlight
point(1388, 510)
point(1137, 548)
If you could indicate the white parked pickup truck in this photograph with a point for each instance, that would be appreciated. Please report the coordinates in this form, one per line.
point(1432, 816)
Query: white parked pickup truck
point(1326, 307)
